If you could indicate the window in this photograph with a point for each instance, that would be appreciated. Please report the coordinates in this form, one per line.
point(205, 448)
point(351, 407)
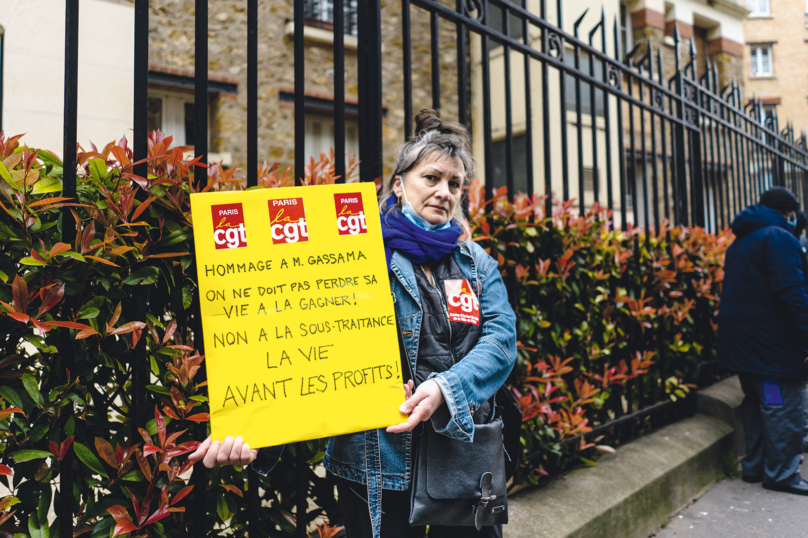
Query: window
point(768, 112)
point(626, 36)
point(173, 114)
point(589, 179)
point(321, 13)
point(519, 163)
point(586, 88)
point(760, 8)
point(320, 136)
point(495, 21)
point(762, 61)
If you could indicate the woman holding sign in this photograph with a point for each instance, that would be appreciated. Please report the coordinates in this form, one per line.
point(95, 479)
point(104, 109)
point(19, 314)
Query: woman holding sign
point(444, 466)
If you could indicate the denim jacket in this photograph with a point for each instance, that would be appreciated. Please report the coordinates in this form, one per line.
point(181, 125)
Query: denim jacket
point(382, 460)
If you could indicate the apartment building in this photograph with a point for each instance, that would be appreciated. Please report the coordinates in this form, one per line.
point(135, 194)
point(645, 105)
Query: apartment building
point(776, 60)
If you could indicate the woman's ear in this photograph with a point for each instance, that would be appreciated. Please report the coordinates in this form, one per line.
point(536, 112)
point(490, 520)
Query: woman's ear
point(397, 187)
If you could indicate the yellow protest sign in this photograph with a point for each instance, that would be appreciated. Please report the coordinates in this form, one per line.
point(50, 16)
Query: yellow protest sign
point(297, 314)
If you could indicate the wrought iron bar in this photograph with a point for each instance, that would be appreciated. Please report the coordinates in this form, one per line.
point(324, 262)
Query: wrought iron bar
point(252, 93)
point(339, 90)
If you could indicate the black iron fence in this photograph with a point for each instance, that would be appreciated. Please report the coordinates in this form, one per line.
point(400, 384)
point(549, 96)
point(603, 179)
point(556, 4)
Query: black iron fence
point(679, 148)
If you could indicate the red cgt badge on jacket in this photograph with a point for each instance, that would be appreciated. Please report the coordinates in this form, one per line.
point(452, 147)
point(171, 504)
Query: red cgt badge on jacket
point(461, 302)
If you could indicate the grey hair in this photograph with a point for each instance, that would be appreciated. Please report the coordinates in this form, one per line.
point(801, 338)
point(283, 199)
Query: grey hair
point(433, 137)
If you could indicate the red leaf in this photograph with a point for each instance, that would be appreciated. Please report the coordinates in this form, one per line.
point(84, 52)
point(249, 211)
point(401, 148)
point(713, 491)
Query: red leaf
point(128, 327)
point(135, 504)
point(124, 524)
point(19, 316)
point(116, 314)
point(232, 489)
point(106, 452)
point(5, 413)
point(102, 260)
point(199, 417)
point(41, 326)
point(6, 471)
point(184, 448)
point(172, 327)
point(161, 426)
point(53, 296)
point(64, 446)
point(47, 201)
point(181, 494)
point(148, 449)
point(68, 325)
point(142, 207)
point(86, 333)
point(159, 514)
point(58, 248)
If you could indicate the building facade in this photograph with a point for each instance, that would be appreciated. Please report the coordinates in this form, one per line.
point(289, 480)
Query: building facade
point(776, 60)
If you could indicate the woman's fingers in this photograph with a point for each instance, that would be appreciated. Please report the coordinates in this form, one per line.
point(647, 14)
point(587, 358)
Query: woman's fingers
point(211, 457)
point(201, 451)
point(408, 406)
point(246, 456)
point(408, 389)
point(235, 452)
point(224, 451)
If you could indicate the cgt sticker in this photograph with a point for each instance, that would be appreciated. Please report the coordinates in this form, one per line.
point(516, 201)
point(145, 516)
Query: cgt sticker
point(287, 221)
point(228, 226)
point(350, 214)
point(462, 304)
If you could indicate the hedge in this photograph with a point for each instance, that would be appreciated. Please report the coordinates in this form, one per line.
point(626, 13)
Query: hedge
point(602, 313)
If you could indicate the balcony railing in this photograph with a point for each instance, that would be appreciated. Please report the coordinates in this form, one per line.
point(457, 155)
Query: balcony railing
point(321, 13)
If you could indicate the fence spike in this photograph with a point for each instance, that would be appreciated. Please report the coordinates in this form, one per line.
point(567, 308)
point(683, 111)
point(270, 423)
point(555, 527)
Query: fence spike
point(578, 22)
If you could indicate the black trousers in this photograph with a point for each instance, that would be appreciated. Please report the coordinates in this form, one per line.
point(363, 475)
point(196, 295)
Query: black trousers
point(353, 507)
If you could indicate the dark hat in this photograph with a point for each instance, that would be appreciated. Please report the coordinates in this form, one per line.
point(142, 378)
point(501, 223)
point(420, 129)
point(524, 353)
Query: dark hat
point(780, 199)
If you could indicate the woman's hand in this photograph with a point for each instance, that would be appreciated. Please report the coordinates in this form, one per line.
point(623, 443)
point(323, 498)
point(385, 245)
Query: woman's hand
point(229, 452)
point(419, 406)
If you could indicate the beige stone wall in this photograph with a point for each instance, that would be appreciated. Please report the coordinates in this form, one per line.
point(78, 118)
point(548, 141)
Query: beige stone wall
point(172, 45)
point(786, 29)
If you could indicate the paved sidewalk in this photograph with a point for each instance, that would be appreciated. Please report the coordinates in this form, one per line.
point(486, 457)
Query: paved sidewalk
point(733, 508)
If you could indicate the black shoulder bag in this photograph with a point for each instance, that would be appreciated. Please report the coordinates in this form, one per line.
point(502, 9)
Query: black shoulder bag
point(463, 484)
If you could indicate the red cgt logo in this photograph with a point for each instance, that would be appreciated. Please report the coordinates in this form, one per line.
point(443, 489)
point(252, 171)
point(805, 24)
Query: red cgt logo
point(350, 214)
point(463, 305)
point(228, 226)
point(287, 221)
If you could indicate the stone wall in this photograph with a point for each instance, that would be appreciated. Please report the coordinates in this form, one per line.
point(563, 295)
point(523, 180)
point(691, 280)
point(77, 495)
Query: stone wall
point(172, 45)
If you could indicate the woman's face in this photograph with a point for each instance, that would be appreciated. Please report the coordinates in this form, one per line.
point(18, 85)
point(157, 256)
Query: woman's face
point(433, 187)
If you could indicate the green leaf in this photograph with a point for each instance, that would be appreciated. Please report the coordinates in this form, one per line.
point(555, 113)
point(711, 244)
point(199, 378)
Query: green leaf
point(29, 454)
point(3, 276)
point(32, 387)
point(31, 261)
point(39, 432)
point(144, 275)
point(199, 398)
point(47, 185)
point(88, 458)
point(222, 509)
point(44, 506)
point(49, 158)
point(98, 168)
point(5, 175)
point(133, 476)
point(154, 367)
point(74, 255)
point(89, 313)
point(34, 529)
point(9, 394)
point(159, 389)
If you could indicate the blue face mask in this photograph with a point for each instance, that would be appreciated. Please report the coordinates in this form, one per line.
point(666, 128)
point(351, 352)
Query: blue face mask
point(417, 219)
point(792, 221)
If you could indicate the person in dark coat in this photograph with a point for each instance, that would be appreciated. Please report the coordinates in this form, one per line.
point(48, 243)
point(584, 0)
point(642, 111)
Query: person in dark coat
point(763, 336)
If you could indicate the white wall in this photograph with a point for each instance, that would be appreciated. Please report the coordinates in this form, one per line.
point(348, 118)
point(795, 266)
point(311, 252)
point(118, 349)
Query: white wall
point(33, 71)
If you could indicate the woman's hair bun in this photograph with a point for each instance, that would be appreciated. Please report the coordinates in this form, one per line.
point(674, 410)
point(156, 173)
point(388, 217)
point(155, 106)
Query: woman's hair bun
point(429, 120)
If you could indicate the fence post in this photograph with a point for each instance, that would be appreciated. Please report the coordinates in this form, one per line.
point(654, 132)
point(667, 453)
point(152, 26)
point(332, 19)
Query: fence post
point(370, 89)
point(71, 83)
point(680, 203)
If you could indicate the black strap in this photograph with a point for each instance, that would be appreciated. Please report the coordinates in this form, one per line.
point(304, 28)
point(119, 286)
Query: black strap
point(406, 365)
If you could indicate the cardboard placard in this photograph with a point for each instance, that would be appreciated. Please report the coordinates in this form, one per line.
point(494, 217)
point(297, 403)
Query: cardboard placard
point(297, 314)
